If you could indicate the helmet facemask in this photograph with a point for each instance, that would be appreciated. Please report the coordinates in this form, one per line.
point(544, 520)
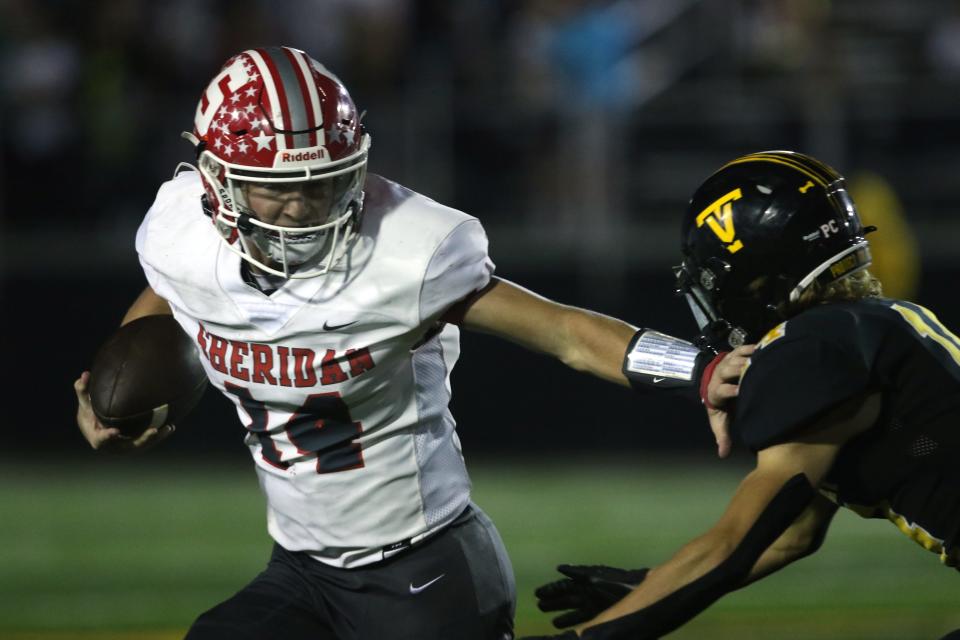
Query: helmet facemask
point(723, 321)
point(306, 250)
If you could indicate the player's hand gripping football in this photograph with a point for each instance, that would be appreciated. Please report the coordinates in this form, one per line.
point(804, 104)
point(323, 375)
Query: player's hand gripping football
point(586, 591)
point(105, 438)
point(721, 392)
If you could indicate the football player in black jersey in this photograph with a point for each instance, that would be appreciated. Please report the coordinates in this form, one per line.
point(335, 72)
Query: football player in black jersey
point(851, 399)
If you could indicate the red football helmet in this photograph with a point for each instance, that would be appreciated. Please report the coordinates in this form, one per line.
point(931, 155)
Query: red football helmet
point(275, 118)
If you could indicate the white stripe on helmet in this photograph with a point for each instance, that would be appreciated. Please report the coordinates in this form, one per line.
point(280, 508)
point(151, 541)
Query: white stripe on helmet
point(303, 64)
point(269, 83)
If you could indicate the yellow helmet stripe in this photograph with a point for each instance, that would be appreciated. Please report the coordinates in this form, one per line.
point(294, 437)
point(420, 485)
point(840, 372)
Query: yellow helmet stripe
point(826, 174)
point(757, 157)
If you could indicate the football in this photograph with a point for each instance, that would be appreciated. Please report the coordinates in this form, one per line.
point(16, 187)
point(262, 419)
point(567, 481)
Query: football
point(147, 374)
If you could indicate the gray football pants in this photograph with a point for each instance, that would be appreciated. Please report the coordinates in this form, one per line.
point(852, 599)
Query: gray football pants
point(456, 585)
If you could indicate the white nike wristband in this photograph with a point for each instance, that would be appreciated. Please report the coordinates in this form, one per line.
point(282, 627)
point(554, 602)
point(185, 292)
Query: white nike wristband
point(655, 360)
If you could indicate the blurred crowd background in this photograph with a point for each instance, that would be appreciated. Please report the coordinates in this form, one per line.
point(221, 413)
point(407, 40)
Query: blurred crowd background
point(575, 129)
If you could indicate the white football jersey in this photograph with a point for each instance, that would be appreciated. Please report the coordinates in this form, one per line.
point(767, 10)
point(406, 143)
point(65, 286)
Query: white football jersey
point(342, 381)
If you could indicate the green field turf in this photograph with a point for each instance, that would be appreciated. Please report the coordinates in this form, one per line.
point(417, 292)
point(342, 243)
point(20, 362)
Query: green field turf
point(109, 550)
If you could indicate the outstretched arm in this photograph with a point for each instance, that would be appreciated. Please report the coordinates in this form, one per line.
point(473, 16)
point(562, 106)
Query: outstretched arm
point(743, 545)
point(587, 590)
point(584, 340)
point(803, 538)
point(587, 341)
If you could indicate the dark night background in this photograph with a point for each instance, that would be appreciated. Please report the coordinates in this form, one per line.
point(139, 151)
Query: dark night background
point(575, 130)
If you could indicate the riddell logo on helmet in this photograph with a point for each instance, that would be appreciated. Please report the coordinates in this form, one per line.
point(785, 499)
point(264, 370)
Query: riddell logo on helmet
point(301, 157)
point(297, 157)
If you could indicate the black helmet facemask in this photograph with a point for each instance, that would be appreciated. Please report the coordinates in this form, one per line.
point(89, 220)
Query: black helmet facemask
point(726, 321)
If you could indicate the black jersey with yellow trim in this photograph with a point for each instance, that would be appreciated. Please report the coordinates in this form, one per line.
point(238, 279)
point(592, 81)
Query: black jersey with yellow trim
point(905, 467)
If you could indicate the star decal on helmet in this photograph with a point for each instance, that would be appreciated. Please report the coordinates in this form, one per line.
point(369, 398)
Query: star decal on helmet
point(263, 141)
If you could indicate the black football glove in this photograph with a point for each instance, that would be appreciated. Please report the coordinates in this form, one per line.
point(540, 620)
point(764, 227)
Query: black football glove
point(587, 590)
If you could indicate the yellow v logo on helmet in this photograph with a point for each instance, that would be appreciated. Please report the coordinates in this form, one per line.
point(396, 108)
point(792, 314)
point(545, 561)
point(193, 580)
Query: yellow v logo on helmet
point(719, 217)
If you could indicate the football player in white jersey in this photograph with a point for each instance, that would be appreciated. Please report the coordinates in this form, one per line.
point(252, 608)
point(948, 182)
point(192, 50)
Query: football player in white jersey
point(326, 304)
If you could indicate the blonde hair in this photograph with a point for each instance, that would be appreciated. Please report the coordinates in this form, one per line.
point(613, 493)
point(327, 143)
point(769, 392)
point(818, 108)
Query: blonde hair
point(855, 286)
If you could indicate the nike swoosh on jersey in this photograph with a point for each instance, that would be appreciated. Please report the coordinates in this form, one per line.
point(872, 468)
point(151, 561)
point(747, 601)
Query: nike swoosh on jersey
point(415, 590)
point(333, 327)
point(656, 380)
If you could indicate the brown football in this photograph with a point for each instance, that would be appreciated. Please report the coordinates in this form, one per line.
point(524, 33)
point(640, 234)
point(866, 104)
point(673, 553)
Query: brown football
point(147, 374)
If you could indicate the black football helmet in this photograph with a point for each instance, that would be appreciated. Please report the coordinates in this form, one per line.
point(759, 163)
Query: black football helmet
point(757, 234)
